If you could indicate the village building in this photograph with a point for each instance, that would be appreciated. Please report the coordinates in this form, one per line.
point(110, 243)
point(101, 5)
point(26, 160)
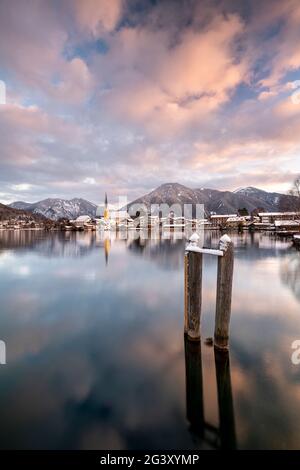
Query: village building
point(81, 221)
point(235, 222)
point(287, 225)
point(271, 217)
point(218, 220)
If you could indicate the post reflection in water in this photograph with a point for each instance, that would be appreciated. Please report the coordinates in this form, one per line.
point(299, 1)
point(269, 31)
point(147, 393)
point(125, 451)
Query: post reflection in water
point(225, 402)
point(194, 386)
point(224, 436)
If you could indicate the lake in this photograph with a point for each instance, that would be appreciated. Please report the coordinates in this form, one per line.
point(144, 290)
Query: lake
point(96, 357)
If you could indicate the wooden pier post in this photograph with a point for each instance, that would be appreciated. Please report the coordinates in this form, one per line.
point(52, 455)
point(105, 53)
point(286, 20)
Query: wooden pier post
point(193, 290)
point(224, 292)
point(186, 264)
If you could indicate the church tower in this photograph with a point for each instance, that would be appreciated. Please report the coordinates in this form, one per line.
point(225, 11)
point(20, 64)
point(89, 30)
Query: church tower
point(106, 211)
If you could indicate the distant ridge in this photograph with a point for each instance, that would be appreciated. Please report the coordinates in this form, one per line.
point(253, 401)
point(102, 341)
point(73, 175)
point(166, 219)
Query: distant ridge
point(56, 209)
point(220, 202)
point(8, 213)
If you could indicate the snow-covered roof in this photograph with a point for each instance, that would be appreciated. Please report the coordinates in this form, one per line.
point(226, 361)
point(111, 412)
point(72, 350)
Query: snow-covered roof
point(236, 219)
point(282, 223)
point(219, 216)
point(264, 224)
point(275, 214)
point(83, 218)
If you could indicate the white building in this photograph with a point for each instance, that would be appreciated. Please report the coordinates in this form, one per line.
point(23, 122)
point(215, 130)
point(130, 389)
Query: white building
point(81, 221)
point(271, 217)
point(221, 219)
point(286, 225)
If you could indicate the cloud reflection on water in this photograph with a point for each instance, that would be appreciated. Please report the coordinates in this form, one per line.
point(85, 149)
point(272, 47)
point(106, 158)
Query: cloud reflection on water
point(96, 353)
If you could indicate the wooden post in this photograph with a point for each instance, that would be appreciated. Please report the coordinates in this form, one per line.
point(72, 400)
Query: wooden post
point(224, 291)
point(193, 291)
point(186, 264)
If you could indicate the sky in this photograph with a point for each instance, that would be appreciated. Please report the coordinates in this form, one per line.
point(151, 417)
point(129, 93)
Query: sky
point(120, 96)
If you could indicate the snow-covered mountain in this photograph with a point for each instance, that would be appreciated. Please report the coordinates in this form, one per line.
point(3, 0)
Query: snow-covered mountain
point(56, 209)
point(250, 191)
point(220, 202)
point(10, 213)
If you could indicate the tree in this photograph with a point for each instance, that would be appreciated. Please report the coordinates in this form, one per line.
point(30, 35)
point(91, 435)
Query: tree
point(291, 201)
point(295, 191)
point(257, 211)
point(243, 212)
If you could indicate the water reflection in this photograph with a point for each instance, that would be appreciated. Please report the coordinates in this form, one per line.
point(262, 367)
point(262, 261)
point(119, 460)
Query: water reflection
point(290, 273)
point(209, 435)
point(95, 359)
point(106, 249)
point(225, 402)
point(168, 253)
point(194, 387)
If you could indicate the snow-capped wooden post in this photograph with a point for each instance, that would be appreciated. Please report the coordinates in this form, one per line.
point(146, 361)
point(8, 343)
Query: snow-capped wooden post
point(193, 289)
point(224, 292)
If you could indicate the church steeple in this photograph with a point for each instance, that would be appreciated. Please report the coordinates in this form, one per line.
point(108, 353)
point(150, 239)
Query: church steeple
point(106, 211)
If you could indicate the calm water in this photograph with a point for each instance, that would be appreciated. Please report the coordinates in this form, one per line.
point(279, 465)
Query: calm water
point(96, 356)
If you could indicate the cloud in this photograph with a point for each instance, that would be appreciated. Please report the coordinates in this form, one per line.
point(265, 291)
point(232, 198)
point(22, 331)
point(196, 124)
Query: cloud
point(32, 51)
point(165, 86)
point(21, 187)
point(97, 16)
point(121, 96)
point(89, 180)
point(282, 48)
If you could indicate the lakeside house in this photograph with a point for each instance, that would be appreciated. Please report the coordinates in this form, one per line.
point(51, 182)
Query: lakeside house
point(287, 225)
point(237, 221)
point(271, 221)
point(220, 219)
point(17, 224)
point(272, 217)
point(280, 222)
point(81, 221)
point(109, 217)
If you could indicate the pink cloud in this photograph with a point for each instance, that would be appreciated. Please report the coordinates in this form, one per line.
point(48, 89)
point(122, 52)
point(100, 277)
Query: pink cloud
point(31, 47)
point(171, 77)
point(167, 87)
point(97, 16)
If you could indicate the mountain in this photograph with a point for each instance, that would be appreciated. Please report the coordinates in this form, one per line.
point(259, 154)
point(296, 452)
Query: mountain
point(55, 209)
point(9, 213)
point(270, 198)
point(220, 202)
point(169, 193)
point(276, 201)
